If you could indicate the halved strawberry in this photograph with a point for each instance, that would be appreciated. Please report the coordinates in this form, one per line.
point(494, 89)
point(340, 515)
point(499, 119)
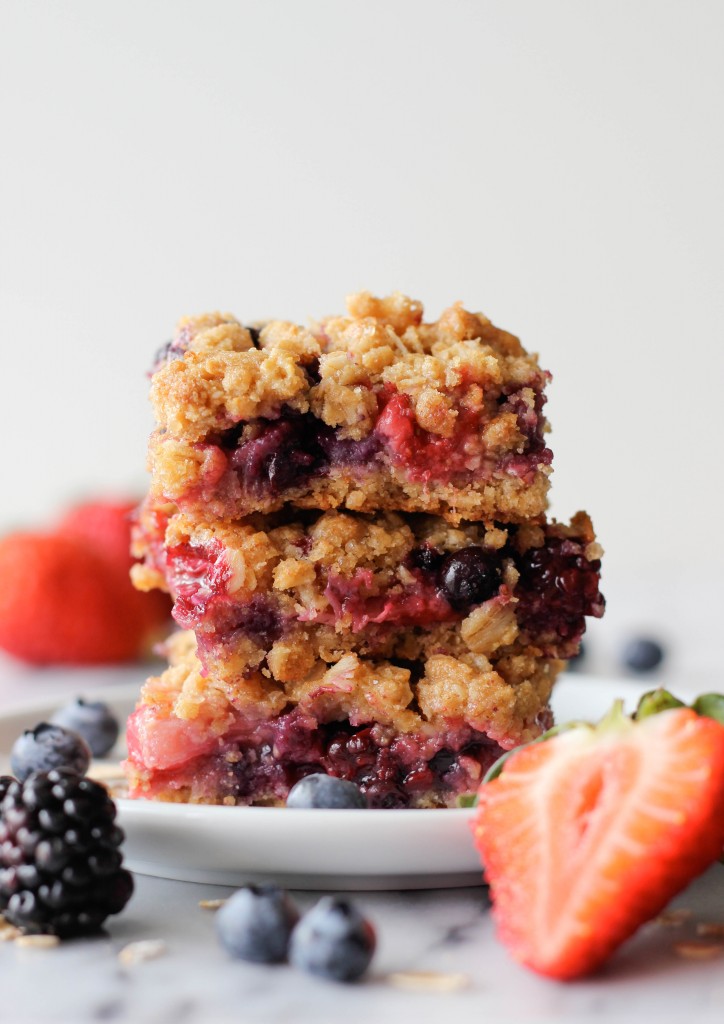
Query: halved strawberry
point(589, 834)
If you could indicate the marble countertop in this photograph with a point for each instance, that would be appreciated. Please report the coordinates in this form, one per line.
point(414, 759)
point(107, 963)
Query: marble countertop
point(447, 932)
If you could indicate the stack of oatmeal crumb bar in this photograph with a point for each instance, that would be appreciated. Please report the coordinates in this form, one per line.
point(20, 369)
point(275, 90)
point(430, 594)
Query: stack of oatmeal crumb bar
point(351, 520)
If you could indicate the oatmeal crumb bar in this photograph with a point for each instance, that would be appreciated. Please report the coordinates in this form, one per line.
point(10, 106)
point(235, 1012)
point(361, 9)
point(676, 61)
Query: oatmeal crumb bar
point(405, 740)
point(280, 593)
point(374, 410)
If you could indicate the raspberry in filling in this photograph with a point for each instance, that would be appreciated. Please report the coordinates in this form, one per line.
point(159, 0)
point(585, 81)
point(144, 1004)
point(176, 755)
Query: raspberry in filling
point(198, 577)
point(426, 456)
point(418, 605)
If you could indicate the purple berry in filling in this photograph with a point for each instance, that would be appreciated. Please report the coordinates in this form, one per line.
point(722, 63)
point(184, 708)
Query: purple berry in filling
point(470, 576)
point(287, 452)
point(341, 452)
point(260, 620)
point(277, 458)
point(425, 558)
point(558, 586)
point(530, 423)
point(442, 761)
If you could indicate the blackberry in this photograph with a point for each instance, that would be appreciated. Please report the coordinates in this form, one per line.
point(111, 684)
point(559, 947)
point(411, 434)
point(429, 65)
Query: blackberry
point(558, 587)
point(60, 864)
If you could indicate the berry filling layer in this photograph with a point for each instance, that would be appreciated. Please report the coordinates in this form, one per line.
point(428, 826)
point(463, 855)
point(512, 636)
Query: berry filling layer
point(266, 458)
point(260, 762)
point(556, 587)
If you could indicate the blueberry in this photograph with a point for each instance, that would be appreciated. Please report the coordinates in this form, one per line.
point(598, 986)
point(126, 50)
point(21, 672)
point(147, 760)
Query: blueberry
point(256, 923)
point(425, 558)
point(642, 654)
point(470, 576)
point(320, 790)
point(333, 940)
point(93, 720)
point(46, 747)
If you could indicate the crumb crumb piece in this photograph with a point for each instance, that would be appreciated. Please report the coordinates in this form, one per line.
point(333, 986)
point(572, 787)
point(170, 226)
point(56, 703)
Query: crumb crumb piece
point(138, 952)
point(673, 918)
point(698, 950)
point(105, 771)
point(712, 929)
point(211, 904)
point(429, 981)
point(8, 931)
point(37, 941)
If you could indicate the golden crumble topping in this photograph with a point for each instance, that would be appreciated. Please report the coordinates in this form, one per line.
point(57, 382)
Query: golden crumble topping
point(222, 378)
point(503, 699)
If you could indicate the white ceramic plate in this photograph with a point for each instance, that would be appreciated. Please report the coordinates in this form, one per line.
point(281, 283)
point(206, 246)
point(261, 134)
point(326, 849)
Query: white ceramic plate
point(310, 849)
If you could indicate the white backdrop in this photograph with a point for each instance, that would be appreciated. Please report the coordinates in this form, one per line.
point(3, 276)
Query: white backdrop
point(556, 164)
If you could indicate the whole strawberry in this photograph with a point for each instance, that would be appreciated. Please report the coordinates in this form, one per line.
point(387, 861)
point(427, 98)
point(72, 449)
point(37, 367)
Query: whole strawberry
point(587, 835)
point(62, 603)
point(105, 526)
